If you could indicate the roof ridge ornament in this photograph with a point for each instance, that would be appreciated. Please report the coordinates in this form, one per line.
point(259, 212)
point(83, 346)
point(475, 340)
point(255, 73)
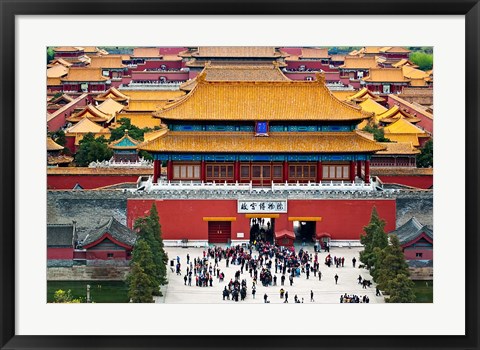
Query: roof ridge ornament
point(320, 77)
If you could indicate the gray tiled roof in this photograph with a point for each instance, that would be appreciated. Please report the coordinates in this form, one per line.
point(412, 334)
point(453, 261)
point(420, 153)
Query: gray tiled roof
point(59, 235)
point(118, 231)
point(411, 230)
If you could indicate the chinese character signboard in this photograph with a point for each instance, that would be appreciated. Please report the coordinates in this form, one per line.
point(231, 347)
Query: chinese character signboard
point(262, 206)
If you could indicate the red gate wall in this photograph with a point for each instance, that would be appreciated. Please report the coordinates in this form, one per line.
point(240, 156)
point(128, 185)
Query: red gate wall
point(343, 219)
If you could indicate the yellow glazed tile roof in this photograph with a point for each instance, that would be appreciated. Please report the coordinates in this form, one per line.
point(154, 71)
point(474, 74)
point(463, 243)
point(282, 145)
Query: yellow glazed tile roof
point(236, 51)
point(279, 100)
point(402, 126)
point(244, 142)
point(398, 148)
point(413, 73)
point(84, 74)
point(140, 120)
point(53, 81)
point(85, 126)
point(147, 52)
point(393, 75)
point(109, 61)
point(112, 93)
point(394, 114)
point(145, 106)
point(110, 106)
point(372, 49)
point(394, 49)
point(60, 61)
point(404, 138)
point(363, 94)
point(354, 62)
point(314, 53)
point(53, 146)
point(238, 73)
point(57, 71)
point(371, 106)
point(91, 113)
point(343, 95)
point(152, 135)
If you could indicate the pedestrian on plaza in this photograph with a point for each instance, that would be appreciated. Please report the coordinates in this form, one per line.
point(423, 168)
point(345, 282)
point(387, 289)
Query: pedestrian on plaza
point(336, 278)
point(319, 275)
point(378, 294)
point(188, 259)
point(343, 261)
point(185, 279)
point(354, 261)
point(286, 297)
point(190, 280)
point(311, 296)
point(308, 273)
point(291, 280)
point(265, 297)
point(359, 279)
point(282, 279)
point(275, 280)
point(254, 291)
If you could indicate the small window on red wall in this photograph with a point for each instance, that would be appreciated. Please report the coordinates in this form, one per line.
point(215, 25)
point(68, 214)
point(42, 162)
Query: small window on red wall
point(109, 255)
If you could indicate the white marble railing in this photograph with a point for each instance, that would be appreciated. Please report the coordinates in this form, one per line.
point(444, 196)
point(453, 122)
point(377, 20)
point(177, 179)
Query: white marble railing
point(148, 185)
point(141, 163)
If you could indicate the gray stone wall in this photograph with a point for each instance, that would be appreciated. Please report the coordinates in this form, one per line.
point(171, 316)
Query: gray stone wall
point(91, 208)
point(87, 273)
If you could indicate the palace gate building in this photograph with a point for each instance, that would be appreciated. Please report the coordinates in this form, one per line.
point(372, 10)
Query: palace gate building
point(247, 159)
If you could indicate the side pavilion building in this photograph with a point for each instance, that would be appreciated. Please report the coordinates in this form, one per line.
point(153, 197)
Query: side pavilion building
point(261, 132)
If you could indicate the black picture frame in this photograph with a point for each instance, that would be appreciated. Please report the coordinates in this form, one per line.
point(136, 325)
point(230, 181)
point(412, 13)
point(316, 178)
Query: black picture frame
point(9, 9)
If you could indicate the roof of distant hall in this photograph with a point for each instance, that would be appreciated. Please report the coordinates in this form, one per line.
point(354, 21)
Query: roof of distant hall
point(118, 231)
point(411, 230)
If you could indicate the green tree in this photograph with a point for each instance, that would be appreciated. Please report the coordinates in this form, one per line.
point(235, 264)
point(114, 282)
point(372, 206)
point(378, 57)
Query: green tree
point(61, 296)
point(378, 133)
point(423, 60)
point(374, 237)
point(149, 231)
point(134, 131)
point(401, 290)
point(92, 149)
point(425, 158)
point(390, 263)
point(50, 54)
point(140, 286)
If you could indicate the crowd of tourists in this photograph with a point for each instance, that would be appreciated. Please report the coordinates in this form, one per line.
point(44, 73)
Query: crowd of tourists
point(347, 298)
point(262, 261)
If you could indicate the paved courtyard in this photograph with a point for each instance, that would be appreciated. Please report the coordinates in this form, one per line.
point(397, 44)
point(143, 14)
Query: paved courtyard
point(325, 291)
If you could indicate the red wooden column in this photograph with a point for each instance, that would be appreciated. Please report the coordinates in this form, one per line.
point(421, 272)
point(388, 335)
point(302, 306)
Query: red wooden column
point(285, 171)
point(236, 171)
point(156, 170)
point(367, 171)
point(169, 170)
point(319, 171)
point(202, 171)
point(359, 168)
point(352, 171)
